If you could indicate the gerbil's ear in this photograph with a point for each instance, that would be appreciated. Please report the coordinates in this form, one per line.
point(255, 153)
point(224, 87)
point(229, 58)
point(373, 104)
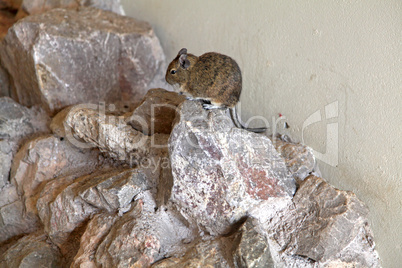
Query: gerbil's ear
point(182, 52)
point(184, 62)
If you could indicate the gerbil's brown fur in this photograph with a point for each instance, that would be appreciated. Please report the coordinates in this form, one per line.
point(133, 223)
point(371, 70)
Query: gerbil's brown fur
point(212, 76)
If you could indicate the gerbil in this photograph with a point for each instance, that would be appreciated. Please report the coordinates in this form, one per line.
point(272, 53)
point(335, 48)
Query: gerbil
point(211, 77)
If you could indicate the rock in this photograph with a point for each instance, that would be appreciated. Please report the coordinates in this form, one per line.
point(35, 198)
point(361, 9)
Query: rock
point(37, 162)
point(5, 85)
point(359, 253)
point(85, 126)
point(16, 221)
point(8, 195)
point(31, 7)
point(65, 57)
point(7, 151)
point(299, 158)
point(253, 249)
point(156, 112)
point(47, 157)
point(31, 251)
point(321, 225)
point(203, 254)
point(110, 5)
point(17, 124)
point(221, 172)
point(96, 230)
point(66, 203)
point(142, 236)
point(244, 248)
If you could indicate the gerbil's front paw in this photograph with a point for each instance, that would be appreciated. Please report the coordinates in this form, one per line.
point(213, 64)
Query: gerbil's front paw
point(208, 106)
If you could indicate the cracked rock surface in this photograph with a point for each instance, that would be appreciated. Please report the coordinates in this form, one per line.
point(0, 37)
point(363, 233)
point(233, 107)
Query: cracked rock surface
point(221, 172)
point(70, 56)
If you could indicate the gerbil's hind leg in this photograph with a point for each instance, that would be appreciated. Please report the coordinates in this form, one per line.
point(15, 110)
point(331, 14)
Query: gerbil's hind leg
point(213, 105)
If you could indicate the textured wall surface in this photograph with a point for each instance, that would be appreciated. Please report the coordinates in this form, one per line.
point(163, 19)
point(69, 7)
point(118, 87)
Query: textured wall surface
point(331, 68)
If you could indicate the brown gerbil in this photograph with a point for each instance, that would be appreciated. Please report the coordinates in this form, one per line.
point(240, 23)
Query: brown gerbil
point(212, 77)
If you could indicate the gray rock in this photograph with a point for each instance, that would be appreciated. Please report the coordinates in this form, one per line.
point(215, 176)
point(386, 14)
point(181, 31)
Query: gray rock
point(8, 195)
point(14, 221)
point(37, 162)
point(221, 172)
point(66, 203)
point(156, 112)
point(110, 5)
point(211, 253)
point(359, 253)
point(31, 7)
point(7, 151)
point(321, 225)
point(244, 248)
point(17, 124)
point(64, 57)
point(142, 236)
point(5, 85)
point(299, 158)
point(253, 249)
point(88, 127)
point(45, 158)
point(17, 121)
point(96, 230)
point(31, 251)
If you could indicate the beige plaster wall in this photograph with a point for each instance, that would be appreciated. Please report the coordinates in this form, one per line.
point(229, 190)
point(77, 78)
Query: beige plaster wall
point(331, 68)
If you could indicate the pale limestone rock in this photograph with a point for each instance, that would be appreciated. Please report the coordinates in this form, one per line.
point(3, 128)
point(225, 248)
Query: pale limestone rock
point(66, 203)
point(15, 221)
point(17, 124)
point(204, 254)
point(87, 127)
point(33, 250)
point(221, 172)
point(96, 230)
point(5, 85)
point(31, 7)
point(156, 112)
point(8, 195)
point(64, 57)
point(40, 160)
point(324, 226)
point(299, 158)
point(47, 157)
point(7, 151)
point(253, 248)
point(142, 236)
point(246, 247)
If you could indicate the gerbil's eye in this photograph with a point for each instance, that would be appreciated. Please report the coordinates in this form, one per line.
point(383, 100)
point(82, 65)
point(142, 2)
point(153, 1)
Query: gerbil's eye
point(173, 71)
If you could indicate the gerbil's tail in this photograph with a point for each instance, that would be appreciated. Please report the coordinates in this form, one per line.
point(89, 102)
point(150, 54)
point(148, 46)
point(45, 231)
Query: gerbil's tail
point(237, 122)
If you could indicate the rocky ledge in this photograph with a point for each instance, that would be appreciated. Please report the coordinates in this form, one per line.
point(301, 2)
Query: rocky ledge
point(207, 194)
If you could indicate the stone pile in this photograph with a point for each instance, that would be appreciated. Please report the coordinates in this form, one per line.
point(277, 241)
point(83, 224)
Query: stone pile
point(87, 180)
